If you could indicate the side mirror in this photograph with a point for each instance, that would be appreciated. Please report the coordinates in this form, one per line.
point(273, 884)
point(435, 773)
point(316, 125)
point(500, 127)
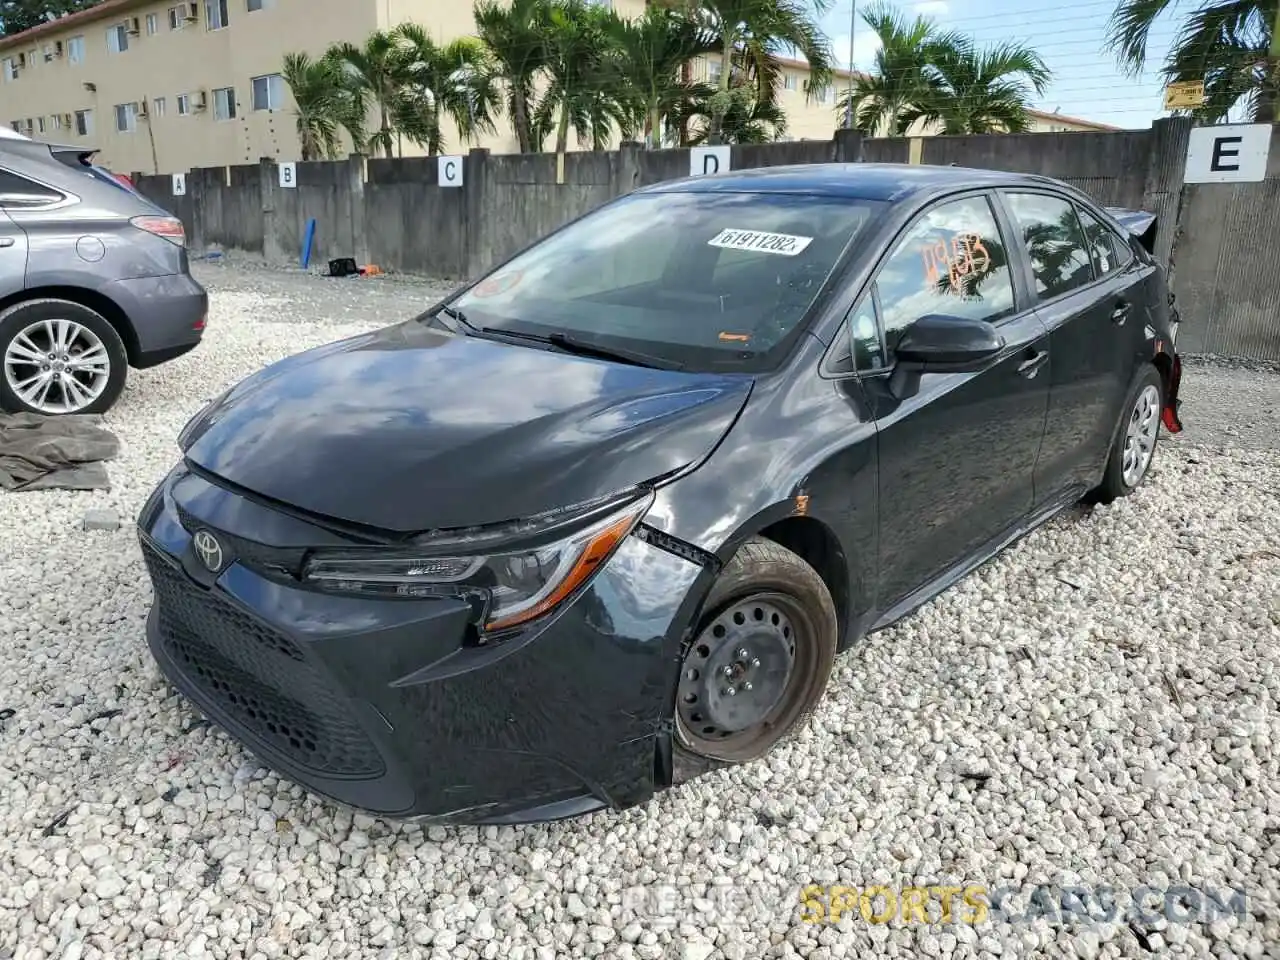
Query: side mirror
point(949, 343)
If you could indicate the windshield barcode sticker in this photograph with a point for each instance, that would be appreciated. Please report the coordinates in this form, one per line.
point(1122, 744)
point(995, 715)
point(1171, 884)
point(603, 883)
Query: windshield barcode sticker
point(781, 243)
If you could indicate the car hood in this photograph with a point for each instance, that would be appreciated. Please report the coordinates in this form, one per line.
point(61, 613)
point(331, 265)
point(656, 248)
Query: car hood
point(410, 429)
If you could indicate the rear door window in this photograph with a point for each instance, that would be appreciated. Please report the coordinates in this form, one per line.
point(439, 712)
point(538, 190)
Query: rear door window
point(1060, 257)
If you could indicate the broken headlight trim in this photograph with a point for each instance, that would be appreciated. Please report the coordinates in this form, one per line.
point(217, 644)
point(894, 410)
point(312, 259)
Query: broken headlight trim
point(505, 587)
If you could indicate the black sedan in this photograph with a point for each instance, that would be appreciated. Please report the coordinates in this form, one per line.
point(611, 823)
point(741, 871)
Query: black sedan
point(603, 519)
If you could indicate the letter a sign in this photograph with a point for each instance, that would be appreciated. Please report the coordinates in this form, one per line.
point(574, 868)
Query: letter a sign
point(1228, 154)
point(704, 161)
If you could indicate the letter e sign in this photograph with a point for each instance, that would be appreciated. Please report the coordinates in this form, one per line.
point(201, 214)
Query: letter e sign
point(1228, 154)
point(289, 176)
point(450, 170)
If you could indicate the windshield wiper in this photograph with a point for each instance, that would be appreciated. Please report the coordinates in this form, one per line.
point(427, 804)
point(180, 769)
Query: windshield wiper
point(453, 313)
point(582, 348)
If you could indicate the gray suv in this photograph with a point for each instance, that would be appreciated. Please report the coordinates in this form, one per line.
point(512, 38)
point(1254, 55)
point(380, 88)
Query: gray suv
point(94, 279)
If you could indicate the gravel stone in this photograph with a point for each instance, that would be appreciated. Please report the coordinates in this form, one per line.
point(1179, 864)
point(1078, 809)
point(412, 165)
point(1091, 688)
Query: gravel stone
point(1098, 706)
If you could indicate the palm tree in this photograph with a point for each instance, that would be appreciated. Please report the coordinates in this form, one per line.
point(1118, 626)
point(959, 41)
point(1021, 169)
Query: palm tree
point(982, 91)
point(455, 79)
point(743, 118)
point(887, 99)
point(514, 35)
point(321, 103)
point(584, 88)
point(652, 51)
point(377, 71)
point(925, 74)
point(1233, 46)
point(751, 34)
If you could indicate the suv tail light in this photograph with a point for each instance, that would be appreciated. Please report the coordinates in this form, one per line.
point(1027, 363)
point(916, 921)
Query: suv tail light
point(168, 227)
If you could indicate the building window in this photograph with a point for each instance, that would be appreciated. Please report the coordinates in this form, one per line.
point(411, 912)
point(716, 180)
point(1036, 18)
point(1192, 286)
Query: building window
point(790, 81)
point(84, 123)
point(17, 126)
point(10, 69)
point(126, 117)
point(714, 69)
point(118, 38)
point(40, 124)
point(224, 103)
point(75, 49)
point(158, 107)
point(177, 17)
point(153, 24)
point(216, 13)
point(55, 123)
point(253, 6)
point(268, 92)
point(184, 104)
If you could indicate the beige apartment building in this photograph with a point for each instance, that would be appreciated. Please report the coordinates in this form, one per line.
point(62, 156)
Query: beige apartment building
point(162, 86)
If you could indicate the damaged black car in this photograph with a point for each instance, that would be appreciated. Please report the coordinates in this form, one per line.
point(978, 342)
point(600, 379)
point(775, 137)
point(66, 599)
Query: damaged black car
point(602, 520)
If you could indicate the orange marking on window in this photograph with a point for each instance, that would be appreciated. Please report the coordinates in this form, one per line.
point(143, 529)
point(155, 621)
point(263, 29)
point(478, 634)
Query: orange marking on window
point(735, 337)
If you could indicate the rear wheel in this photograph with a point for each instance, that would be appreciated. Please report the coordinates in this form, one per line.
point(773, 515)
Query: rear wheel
point(1135, 443)
point(59, 357)
point(759, 662)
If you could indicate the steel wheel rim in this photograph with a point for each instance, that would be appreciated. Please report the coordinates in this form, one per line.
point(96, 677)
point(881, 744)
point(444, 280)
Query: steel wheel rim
point(57, 366)
point(1140, 435)
point(706, 725)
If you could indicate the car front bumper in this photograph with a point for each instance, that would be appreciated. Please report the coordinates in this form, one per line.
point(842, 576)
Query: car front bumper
point(167, 315)
point(383, 705)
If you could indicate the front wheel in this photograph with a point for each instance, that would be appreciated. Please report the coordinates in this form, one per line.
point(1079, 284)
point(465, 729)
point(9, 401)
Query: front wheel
point(1135, 443)
point(59, 357)
point(760, 660)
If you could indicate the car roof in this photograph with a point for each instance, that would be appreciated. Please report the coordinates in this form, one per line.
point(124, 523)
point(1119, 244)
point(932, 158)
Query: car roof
point(866, 181)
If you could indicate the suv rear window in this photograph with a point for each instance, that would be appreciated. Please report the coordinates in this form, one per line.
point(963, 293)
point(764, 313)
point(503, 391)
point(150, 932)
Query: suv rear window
point(700, 279)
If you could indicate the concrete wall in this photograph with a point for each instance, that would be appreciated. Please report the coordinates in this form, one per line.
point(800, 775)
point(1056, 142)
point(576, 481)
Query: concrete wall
point(395, 214)
point(1225, 278)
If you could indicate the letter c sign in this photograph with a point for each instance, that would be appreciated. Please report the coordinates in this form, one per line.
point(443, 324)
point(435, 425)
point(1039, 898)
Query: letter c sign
point(450, 171)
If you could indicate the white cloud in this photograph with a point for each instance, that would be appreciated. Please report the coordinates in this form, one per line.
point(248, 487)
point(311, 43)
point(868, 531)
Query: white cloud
point(931, 8)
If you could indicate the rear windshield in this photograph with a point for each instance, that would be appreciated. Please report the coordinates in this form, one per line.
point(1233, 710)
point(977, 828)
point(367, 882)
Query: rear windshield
point(703, 280)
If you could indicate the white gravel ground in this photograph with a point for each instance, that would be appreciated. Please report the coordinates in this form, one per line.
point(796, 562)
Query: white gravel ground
point(1100, 706)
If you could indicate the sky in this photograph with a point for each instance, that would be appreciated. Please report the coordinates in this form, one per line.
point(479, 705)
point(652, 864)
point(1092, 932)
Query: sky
point(1070, 35)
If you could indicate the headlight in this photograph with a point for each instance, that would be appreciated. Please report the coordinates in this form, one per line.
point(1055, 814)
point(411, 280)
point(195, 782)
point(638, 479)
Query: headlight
point(505, 588)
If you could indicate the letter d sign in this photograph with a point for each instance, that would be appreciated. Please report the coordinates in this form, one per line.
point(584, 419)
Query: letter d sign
point(704, 161)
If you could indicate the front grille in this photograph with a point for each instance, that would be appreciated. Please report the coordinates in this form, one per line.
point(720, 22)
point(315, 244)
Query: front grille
point(258, 676)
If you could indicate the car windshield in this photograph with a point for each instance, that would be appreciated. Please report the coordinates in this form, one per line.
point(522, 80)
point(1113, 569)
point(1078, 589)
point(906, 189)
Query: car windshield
point(699, 279)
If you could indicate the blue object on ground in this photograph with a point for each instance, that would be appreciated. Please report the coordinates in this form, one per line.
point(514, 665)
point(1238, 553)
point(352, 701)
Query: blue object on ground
point(308, 243)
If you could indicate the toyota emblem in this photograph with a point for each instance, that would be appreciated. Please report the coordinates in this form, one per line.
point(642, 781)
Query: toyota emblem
point(208, 549)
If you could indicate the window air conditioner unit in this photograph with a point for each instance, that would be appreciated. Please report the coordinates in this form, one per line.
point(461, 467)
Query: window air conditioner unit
point(22, 61)
point(201, 100)
point(67, 119)
point(48, 56)
point(57, 48)
point(193, 11)
point(142, 110)
point(135, 29)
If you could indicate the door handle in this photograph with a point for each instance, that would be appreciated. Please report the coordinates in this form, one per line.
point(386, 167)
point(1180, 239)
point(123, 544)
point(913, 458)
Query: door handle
point(1121, 313)
point(1029, 368)
point(7, 241)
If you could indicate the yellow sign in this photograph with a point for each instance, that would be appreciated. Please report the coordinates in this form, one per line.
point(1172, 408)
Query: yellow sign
point(1184, 96)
